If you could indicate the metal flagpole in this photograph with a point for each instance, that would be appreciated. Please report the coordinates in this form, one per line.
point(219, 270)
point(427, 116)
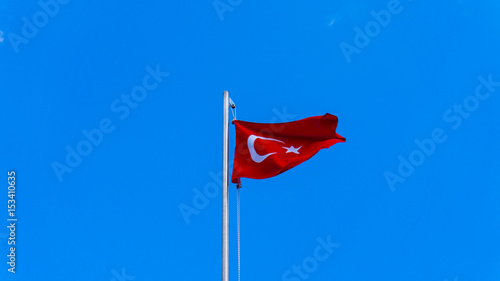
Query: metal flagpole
point(225, 193)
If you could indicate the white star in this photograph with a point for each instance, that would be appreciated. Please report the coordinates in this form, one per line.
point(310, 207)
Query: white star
point(292, 149)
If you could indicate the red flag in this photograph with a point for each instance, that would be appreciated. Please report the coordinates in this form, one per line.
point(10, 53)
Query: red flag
point(266, 150)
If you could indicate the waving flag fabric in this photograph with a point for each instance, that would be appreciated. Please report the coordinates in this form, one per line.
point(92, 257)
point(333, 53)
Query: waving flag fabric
point(266, 150)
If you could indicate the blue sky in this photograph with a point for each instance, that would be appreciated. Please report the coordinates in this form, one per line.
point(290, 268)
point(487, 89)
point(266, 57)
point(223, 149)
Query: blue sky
point(113, 124)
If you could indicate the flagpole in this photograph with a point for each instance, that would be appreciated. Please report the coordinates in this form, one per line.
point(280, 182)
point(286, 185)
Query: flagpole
point(225, 193)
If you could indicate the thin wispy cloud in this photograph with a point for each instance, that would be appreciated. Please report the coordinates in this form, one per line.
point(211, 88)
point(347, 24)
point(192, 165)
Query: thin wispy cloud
point(351, 11)
point(335, 19)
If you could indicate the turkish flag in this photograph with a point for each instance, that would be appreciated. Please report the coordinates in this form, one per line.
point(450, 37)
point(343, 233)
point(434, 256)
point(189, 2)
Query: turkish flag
point(266, 150)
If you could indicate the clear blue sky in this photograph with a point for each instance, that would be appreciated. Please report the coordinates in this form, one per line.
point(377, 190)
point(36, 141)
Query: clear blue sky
point(411, 82)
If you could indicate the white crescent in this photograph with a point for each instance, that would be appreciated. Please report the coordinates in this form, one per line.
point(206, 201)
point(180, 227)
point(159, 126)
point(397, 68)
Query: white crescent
point(255, 156)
